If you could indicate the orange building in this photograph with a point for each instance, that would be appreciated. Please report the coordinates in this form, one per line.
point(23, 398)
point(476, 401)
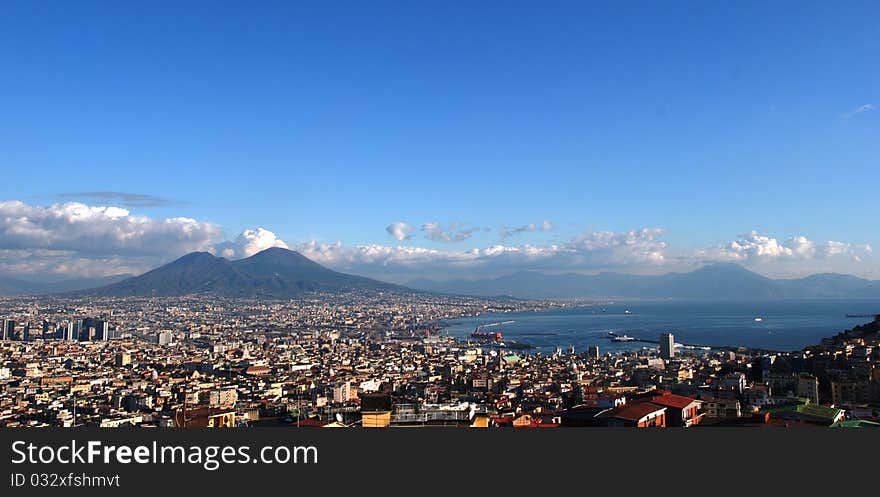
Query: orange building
point(680, 411)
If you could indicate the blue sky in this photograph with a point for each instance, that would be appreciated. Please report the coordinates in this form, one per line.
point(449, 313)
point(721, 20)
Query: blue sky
point(328, 123)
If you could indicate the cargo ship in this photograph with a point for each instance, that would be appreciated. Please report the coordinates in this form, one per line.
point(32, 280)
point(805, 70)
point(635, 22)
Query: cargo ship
point(495, 338)
point(487, 336)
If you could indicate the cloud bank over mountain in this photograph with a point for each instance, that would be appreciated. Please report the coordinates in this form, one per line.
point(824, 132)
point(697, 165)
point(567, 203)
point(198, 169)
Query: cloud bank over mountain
point(642, 251)
point(77, 239)
point(754, 246)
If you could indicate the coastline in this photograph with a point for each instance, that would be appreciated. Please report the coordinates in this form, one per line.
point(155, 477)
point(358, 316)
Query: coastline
point(788, 325)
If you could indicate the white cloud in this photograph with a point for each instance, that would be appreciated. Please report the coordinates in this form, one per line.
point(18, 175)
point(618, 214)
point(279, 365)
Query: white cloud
point(587, 252)
point(435, 232)
point(76, 239)
point(752, 245)
point(642, 245)
point(641, 251)
point(248, 243)
point(400, 230)
point(99, 230)
point(756, 247)
point(379, 256)
point(506, 232)
point(858, 110)
point(71, 264)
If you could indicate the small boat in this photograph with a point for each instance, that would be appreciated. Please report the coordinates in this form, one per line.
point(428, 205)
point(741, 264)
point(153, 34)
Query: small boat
point(759, 319)
point(623, 338)
point(627, 311)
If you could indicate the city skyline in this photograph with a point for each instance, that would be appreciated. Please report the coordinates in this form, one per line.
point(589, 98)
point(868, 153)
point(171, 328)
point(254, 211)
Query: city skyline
point(416, 141)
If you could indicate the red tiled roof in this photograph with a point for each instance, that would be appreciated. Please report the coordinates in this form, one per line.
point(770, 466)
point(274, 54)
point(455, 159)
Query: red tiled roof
point(633, 412)
point(310, 423)
point(672, 400)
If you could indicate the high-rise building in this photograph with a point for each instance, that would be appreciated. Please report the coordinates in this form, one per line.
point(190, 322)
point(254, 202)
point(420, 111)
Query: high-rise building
point(667, 346)
point(26, 332)
point(341, 392)
point(123, 359)
point(87, 329)
point(93, 329)
point(72, 332)
point(83, 330)
point(165, 338)
point(223, 398)
point(808, 387)
point(593, 351)
point(8, 329)
point(102, 330)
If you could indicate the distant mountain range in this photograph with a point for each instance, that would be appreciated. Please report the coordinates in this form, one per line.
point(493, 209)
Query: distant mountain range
point(272, 273)
point(15, 286)
point(282, 273)
point(714, 281)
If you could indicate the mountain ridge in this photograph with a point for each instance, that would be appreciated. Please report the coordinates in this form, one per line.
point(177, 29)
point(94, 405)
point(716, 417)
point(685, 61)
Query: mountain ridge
point(272, 273)
point(280, 273)
point(17, 286)
point(723, 281)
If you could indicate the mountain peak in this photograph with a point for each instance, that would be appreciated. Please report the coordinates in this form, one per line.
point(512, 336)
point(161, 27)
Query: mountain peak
point(274, 273)
point(277, 251)
point(279, 258)
point(197, 260)
point(280, 254)
point(194, 256)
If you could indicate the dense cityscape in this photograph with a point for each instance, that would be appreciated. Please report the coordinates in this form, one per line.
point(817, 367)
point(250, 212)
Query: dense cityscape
point(381, 359)
point(563, 245)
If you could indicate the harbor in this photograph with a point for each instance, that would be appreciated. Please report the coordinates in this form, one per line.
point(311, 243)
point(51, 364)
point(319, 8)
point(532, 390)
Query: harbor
point(614, 337)
point(784, 325)
point(495, 339)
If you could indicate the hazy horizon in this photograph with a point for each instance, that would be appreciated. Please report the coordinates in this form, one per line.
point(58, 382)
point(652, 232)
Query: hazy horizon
point(58, 278)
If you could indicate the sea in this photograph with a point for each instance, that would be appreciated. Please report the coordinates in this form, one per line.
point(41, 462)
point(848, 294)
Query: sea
point(771, 325)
